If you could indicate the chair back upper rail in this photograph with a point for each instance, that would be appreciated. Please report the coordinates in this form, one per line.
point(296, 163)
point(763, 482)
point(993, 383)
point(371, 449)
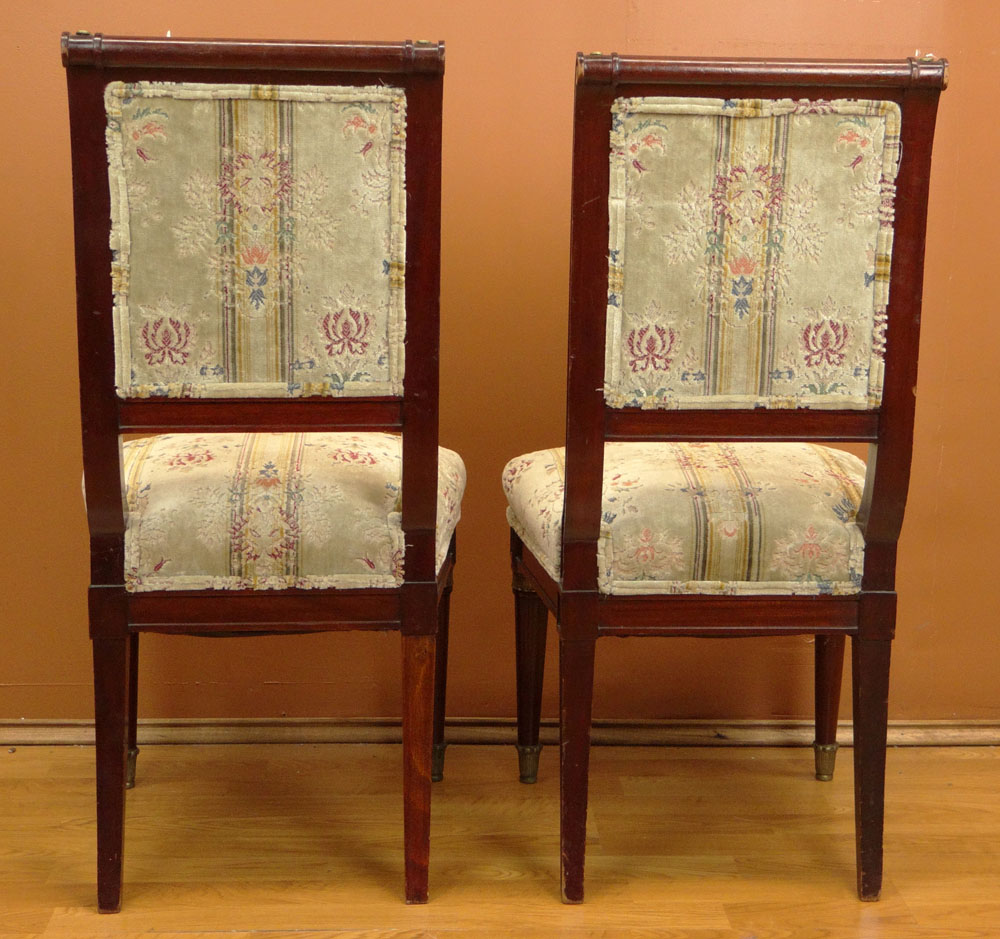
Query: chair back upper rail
point(151, 52)
point(815, 73)
point(915, 85)
point(91, 63)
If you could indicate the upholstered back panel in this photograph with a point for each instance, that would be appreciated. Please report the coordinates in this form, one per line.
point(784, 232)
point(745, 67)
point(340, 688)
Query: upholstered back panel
point(750, 243)
point(258, 238)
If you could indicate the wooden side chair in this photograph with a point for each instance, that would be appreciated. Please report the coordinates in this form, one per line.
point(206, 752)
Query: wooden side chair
point(257, 265)
point(745, 284)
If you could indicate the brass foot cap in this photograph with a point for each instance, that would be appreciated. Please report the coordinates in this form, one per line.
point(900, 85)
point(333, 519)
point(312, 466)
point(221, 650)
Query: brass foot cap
point(826, 758)
point(130, 768)
point(527, 759)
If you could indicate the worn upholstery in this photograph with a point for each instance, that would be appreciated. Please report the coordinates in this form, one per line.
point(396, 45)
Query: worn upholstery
point(749, 252)
point(258, 239)
point(258, 511)
point(729, 518)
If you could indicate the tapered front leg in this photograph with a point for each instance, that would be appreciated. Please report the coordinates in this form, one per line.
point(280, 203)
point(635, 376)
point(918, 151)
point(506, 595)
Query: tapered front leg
point(111, 682)
point(576, 688)
point(870, 659)
point(440, 686)
point(530, 623)
point(418, 707)
point(829, 671)
point(133, 709)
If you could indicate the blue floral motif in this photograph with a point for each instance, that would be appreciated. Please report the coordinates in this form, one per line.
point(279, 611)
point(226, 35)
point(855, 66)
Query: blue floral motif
point(256, 279)
point(742, 290)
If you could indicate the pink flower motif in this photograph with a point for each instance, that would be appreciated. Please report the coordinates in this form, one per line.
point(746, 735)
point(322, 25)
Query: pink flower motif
point(255, 254)
point(857, 142)
point(852, 136)
point(166, 339)
point(149, 129)
point(357, 122)
point(347, 331)
point(742, 265)
point(810, 550)
point(259, 182)
point(645, 553)
point(189, 459)
point(650, 347)
point(824, 342)
point(357, 457)
point(747, 196)
point(646, 142)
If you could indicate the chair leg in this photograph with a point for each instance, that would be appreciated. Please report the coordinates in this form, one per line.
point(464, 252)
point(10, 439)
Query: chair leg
point(111, 681)
point(440, 686)
point(133, 709)
point(870, 660)
point(418, 720)
point(530, 622)
point(576, 688)
point(829, 671)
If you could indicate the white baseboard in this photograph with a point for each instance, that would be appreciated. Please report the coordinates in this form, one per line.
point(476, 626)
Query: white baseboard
point(473, 730)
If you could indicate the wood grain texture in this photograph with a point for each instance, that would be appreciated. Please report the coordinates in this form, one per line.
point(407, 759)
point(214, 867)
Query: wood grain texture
point(302, 841)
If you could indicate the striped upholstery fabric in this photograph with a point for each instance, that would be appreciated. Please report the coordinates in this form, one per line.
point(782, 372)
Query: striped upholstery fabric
point(260, 511)
point(730, 518)
point(258, 238)
point(749, 252)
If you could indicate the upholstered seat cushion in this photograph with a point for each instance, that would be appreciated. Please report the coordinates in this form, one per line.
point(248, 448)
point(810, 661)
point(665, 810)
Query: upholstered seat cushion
point(259, 511)
point(705, 517)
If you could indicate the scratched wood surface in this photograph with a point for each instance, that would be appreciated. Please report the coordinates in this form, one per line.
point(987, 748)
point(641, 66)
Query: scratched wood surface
point(306, 841)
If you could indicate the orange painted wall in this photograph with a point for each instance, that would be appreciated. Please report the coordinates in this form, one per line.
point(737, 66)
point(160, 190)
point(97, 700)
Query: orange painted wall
point(506, 211)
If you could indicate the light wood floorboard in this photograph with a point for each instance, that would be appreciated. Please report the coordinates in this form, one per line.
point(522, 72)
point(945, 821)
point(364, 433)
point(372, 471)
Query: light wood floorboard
point(305, 842)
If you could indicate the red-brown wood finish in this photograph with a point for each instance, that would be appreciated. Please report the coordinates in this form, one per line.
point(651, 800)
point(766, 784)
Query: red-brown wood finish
point(116, 617)
point(581, 612)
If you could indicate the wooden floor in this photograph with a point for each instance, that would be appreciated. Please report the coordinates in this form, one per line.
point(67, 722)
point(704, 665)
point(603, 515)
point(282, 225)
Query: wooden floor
point(305, 842)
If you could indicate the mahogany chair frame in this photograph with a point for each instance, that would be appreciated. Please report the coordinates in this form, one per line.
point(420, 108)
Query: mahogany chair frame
point(582, 613)
point(418, 608)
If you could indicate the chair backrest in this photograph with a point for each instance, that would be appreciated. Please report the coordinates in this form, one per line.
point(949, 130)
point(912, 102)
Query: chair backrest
point(259, 238)
point(748, 265)
point(257, 247)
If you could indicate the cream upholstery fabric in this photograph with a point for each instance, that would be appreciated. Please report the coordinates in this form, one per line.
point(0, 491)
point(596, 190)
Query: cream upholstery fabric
point(258, 239)
point(705, 517)
point(749, 252)
point(272, 510)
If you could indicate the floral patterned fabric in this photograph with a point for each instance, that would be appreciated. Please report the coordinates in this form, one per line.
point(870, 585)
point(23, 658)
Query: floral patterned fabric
point(730, 518)
point(258, 239)
point(749, 253)
point(242, 511)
